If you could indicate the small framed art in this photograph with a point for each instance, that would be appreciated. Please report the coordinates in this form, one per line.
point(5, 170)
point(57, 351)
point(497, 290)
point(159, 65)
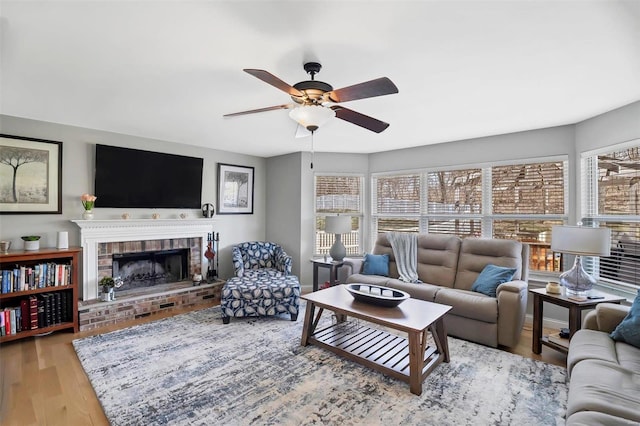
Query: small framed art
point(235, 189)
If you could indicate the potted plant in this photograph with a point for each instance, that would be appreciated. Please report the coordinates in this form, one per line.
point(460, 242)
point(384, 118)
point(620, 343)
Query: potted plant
point(31, 242)
point(108, 292)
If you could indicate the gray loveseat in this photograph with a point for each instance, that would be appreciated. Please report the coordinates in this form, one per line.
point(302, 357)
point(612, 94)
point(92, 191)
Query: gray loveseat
point(604, 385)
point(448, 266)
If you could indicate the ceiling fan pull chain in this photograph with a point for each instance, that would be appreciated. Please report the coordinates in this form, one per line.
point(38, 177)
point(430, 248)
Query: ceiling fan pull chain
point(312, 149)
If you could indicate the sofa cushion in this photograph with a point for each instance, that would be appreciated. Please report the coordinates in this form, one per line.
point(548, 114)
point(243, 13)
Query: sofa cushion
point(593, 418)
point(367, 279)
point(469, 304)
point(604, 387)
point(490, 278)
point(422, 291)
point(437, 257)
point(590, 344)
point(376, 264)
point(476, 253)
point(629, 329)
point(628, 356)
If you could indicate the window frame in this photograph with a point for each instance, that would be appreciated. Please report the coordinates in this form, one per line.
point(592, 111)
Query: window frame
point(588, 212)
point(360, 215)
point(486, 215)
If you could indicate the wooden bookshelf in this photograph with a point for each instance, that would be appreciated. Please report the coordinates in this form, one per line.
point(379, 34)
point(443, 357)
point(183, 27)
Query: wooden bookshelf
point(28, 259)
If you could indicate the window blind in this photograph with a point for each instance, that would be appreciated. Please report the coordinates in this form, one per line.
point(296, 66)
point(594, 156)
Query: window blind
point(399, 194)
point(339, 194)
point(611, 198)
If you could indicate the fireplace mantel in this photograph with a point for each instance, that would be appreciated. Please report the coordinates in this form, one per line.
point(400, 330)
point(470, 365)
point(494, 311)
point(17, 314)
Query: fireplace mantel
point(93, 232)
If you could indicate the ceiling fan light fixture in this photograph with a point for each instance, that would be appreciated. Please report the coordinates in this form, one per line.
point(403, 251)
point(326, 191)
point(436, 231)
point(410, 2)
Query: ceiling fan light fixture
point(311, 117)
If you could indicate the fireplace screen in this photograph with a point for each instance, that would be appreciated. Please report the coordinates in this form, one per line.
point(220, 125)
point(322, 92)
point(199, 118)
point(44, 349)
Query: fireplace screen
point(149, 268)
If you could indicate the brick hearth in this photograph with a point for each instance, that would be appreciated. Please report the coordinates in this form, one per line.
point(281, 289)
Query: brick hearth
point(165, 298)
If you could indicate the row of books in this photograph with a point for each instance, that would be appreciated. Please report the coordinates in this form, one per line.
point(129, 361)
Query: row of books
point(24, 278)
point(37, 311)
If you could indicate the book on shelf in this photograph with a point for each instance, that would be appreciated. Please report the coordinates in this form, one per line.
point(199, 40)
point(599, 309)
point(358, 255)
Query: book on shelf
point(24, 278)
point(33, 312)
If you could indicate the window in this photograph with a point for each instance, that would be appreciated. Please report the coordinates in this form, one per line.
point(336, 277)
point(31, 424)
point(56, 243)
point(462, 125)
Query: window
point(339, 194)
point(516, 201)
point(611, 198)
point(454, 202)
point(526, 201)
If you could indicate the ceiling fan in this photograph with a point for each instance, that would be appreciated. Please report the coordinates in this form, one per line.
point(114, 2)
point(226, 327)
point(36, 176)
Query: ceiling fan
point(314, 102)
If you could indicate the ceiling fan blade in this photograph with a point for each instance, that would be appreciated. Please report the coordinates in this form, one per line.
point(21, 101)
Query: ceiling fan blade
point(253, 111)
point(358, 119)
point(368, 89)
point(271, 79)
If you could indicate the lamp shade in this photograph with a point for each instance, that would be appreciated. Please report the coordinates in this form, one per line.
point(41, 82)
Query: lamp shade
point(581, 240)
point(337, 224)
point(312, 116)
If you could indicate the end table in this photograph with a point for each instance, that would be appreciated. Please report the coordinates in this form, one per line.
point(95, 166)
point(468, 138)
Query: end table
point(332, 265)
point(575, 307)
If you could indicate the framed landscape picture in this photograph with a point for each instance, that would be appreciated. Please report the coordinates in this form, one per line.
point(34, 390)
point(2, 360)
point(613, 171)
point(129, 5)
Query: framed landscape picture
point(30, 175)
point(235, 189)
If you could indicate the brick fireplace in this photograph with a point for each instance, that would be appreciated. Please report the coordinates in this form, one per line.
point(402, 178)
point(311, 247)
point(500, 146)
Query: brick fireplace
point(148, 263)
point(101, 239)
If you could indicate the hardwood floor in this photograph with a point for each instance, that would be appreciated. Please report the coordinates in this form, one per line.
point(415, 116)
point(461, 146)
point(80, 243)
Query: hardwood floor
point(43, 383)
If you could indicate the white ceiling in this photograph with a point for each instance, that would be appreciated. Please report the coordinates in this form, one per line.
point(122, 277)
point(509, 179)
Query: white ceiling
point(169, 70)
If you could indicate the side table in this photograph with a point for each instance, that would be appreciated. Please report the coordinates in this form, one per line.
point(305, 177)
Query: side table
point(332, 265)
point(540, 296)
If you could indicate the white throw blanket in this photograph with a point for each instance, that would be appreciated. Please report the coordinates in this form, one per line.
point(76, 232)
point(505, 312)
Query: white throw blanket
point(405, 250)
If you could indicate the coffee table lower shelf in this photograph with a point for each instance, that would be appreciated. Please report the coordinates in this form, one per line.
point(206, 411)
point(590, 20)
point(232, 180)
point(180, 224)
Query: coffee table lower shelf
point(374, 348)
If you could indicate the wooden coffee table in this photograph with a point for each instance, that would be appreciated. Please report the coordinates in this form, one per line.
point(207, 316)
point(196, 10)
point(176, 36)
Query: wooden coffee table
point(409, 359)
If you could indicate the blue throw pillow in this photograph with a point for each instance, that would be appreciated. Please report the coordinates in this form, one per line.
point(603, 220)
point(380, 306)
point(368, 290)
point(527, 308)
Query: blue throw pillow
point(376, 264)
point(629, 329)
point(491, 277)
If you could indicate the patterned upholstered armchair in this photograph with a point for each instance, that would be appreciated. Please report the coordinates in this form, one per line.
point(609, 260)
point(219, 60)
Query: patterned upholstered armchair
point(263, 284)
point(260, 258)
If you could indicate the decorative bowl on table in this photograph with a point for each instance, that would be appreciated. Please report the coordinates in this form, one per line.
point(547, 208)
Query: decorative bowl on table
point(377, 295)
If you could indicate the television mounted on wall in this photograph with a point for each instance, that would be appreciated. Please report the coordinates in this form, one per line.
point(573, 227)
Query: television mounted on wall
point(133, 178)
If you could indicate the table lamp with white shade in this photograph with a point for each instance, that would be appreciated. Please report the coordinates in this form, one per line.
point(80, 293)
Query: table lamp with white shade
point(337, 225)
point(581, 241)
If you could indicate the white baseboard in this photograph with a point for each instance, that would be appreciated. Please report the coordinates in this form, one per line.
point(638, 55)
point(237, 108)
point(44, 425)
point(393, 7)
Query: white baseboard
point(547, 322)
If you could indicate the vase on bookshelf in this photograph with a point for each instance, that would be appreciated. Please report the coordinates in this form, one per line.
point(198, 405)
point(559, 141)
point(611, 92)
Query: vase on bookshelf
point(87, 215)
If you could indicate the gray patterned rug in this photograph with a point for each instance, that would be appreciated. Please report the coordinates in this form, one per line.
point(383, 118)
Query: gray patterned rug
point(193, 370)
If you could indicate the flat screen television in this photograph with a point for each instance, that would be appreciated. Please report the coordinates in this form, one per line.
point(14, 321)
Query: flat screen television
point(134, 178)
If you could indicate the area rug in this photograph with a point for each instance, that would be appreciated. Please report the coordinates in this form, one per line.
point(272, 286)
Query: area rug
point(193, 370)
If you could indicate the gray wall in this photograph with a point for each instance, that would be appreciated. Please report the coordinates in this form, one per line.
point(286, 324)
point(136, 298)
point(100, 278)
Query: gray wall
point(77, 178)
point(283, 205)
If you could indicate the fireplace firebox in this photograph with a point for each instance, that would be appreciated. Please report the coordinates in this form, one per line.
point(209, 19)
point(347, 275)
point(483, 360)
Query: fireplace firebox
point(150, 268)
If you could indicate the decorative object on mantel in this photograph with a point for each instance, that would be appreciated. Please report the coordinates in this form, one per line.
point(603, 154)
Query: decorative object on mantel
point(125, 216)
point(208, 210)
point(88, 201)
point(31, 242)
point(155, 216)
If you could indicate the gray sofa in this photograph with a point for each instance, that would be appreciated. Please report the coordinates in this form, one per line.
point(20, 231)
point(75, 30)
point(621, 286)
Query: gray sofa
point(448, 266)
point(604, 385)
